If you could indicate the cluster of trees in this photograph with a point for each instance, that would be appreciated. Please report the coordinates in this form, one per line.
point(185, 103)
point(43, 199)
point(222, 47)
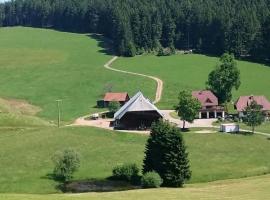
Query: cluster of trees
point(211, 26)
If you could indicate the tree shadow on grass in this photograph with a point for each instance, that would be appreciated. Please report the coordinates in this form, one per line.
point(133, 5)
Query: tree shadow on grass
point(103, 42)
point(245, 133)
point(91, 185)
point(61, 184)
point(95, 185)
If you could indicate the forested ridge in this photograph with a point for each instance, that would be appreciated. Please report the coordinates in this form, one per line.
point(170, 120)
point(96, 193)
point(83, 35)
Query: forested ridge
point(241, 27)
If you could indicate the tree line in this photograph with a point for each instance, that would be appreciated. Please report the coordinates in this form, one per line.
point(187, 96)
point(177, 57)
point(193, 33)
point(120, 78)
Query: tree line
point(240, 27)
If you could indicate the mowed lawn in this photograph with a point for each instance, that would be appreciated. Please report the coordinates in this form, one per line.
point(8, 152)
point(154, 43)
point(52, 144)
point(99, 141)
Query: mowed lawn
point(41, 66)
point(26, 155)
point(191, 72)
point(242, 189)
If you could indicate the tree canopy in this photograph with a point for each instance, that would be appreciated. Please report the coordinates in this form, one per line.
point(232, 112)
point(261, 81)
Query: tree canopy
point(224, 78)
point(136, 26)
point(166, 154)
point(253, 115)
point(187, 107)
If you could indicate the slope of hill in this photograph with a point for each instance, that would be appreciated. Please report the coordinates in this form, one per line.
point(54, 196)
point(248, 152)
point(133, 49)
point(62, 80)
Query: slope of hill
point(248, 189)
point(41, 66)
point(191, 71)
point(26, 167)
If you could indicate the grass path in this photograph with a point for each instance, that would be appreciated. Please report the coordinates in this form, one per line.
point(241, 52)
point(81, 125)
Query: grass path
point(157, 80)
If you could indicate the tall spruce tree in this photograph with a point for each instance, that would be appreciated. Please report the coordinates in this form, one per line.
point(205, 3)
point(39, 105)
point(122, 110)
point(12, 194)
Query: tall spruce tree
point(166, 154)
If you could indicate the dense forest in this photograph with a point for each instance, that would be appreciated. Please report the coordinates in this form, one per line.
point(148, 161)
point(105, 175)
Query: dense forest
point(241, 27)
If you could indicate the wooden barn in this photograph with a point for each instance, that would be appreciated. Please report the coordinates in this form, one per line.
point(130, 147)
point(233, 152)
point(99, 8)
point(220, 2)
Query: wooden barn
point(122, 98)
point(137, 113)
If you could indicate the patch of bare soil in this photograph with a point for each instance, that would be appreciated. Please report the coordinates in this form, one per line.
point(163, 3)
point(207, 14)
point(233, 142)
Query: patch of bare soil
point(98, 186)
point(205, 131)
point(16, 106)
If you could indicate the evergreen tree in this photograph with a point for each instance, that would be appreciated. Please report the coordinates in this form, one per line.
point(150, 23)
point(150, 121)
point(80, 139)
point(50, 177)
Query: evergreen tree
point(208, 26)
point(166, 154)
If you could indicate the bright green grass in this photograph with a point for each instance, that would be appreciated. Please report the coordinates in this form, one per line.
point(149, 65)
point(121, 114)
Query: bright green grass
point(191, 71)
point(17, 120)
point(41, 66)
point(25, 155)
point(264, 128)
point(242, 189)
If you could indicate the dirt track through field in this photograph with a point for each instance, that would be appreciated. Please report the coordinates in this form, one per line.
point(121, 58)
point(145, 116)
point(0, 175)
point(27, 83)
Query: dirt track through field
point(159, 82)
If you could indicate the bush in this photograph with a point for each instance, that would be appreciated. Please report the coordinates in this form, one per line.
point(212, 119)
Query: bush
point(114, 106)
point(66, 163)
point(151, 180)
point(126, 172)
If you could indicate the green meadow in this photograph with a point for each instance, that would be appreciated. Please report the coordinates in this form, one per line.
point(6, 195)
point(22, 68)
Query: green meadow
point(242, 189)
point(191, 72)
point(26, 155)
point(41, 66)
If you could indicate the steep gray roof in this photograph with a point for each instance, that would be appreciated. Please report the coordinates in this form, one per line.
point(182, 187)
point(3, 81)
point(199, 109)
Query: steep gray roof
point(137, 103)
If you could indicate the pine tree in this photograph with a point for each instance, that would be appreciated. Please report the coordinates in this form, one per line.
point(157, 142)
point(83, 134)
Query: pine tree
point(166, 154)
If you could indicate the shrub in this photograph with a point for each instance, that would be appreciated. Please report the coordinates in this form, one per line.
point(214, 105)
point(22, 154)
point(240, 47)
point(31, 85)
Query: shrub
point(151, 180)
point(166, 154)
point(114, 106)
point(65, 164)
point(126, 172)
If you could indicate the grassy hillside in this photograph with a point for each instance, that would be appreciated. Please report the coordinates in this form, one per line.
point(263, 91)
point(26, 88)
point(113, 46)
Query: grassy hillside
point(191, 72)
point(26, 155)
point(19, 113)
point(248, 189)
point(41, 66)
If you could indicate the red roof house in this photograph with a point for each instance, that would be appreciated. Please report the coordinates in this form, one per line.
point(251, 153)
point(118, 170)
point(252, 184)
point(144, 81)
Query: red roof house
point(206, 98)
point(122, 98)
point(245, 101)
point(209, 102)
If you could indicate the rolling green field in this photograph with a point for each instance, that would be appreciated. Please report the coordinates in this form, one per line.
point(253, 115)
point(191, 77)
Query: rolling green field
point(26, 155)
point(40, 66)
point(242, 189)
point(191, 72)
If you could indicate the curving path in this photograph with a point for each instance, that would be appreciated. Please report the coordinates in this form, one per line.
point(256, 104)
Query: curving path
point(159, 82)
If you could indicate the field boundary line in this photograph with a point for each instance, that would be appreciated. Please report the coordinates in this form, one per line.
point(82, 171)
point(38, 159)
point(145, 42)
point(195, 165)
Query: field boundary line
point(159, 82)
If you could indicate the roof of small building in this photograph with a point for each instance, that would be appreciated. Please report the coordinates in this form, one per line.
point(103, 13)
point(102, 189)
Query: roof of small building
point(206, 97)
point(245, 101)
point(137, 103)
point(112, 96)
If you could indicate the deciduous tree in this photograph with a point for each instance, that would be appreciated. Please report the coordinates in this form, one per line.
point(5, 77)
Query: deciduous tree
point(224, 78)
point(253, 115)
point(187, 107)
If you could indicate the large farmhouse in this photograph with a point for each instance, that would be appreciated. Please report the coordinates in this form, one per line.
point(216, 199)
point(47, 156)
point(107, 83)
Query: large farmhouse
point(245, 101)
point(137, 113)
point(209, 102)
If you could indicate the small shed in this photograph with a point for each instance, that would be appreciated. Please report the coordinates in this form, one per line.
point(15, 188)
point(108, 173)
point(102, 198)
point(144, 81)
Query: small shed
point(229, 128)
point(122, 98)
